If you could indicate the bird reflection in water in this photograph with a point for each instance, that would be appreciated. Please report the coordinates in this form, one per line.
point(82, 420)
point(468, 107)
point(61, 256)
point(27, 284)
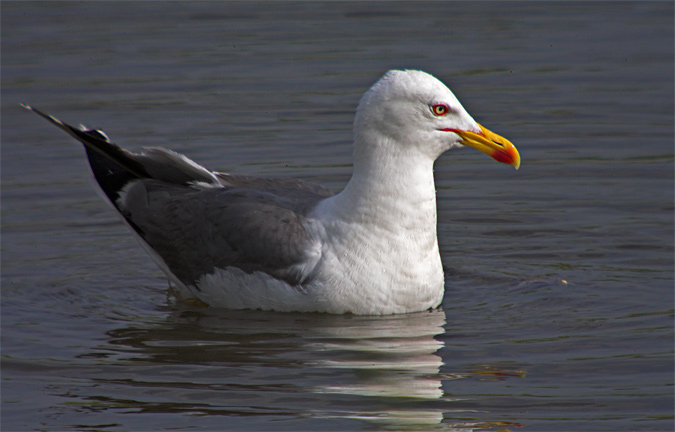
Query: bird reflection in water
point(317, 367)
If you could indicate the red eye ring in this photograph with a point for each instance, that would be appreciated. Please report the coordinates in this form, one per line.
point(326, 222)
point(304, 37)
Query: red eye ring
point(440, 109)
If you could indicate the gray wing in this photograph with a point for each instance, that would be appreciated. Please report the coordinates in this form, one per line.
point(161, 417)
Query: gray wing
point(198, 230)
point(197, 220)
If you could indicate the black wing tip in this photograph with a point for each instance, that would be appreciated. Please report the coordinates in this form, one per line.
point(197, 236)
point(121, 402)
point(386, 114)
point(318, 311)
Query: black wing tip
point(91, 133)
point(44, 115)
point(31, 108)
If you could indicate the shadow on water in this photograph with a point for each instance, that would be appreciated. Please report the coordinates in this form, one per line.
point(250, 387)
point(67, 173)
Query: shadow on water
point(382, 372)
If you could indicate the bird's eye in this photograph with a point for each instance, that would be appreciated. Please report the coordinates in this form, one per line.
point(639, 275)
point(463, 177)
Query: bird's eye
point(440, 109)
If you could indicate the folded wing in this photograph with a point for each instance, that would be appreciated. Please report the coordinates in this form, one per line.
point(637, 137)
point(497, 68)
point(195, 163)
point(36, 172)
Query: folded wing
point(196, 220)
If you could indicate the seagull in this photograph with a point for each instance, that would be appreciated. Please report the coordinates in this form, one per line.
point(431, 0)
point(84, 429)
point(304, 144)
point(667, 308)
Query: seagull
point(243, 242)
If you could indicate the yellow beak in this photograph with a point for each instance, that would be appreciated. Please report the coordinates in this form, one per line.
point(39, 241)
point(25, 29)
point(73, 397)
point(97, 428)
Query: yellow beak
point(495, 146)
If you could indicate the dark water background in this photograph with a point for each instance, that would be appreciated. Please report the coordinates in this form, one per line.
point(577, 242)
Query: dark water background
point(558, 312)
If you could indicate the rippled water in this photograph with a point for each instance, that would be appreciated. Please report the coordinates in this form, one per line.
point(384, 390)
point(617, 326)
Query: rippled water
point(558, 312)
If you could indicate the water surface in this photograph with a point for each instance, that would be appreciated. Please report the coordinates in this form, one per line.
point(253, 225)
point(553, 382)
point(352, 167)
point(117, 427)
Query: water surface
point(558, 313)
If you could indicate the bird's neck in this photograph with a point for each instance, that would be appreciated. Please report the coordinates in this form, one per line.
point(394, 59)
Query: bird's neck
point(390, 186)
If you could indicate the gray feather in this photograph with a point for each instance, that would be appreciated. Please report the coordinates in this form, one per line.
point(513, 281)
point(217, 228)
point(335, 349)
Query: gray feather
point(196, 230)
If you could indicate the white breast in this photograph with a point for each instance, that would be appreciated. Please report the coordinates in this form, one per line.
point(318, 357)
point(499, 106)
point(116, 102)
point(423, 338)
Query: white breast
point(382, 258)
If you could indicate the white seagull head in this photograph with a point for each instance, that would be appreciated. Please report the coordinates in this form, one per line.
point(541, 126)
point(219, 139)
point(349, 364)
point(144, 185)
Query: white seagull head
point(416, 111)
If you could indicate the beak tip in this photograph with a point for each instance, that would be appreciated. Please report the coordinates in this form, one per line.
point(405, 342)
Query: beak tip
point(498, 147)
